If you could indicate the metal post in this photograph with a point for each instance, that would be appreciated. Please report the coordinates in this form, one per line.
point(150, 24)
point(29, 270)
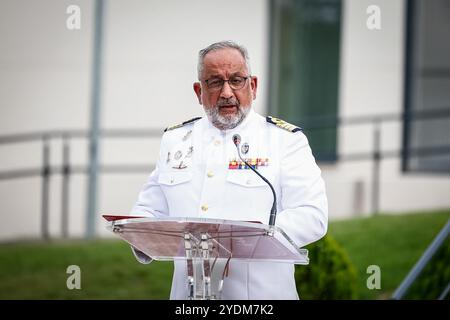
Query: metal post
point(65, 188)
point(376, 168)
point(423, 261)
point(444, 293)
point(45, 187)
point(95, 122)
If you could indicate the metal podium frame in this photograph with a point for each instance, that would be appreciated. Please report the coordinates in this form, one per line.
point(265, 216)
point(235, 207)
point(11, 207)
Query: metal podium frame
point(207, 246)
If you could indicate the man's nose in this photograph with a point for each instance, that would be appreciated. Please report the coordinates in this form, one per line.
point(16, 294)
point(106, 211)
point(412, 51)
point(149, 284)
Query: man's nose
point(226, 92)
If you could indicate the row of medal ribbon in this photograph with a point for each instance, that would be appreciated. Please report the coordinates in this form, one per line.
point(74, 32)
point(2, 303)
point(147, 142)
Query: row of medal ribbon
point(254, 162)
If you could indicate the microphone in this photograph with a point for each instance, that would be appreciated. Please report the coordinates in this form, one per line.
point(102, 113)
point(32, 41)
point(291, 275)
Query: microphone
point(273, 211)
point(237, 140)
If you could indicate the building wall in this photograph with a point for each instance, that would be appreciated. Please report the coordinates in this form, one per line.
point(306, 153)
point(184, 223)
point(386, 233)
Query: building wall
point(150, 53)
point(150, 58)
point(44, 85)
point(371, 83)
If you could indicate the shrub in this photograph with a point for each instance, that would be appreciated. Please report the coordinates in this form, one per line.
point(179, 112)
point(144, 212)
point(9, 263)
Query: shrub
point(330, 274)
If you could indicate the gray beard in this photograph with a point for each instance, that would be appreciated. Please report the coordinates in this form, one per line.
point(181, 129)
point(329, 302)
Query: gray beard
point(226, 122)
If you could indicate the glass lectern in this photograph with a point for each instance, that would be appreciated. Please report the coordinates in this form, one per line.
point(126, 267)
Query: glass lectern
point(207, 246)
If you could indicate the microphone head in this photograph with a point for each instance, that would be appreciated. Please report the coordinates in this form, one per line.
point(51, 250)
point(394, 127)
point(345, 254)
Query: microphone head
point(236, 139)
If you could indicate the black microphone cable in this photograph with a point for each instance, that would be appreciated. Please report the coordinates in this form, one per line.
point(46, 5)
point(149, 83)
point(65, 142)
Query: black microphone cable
point(273, 211)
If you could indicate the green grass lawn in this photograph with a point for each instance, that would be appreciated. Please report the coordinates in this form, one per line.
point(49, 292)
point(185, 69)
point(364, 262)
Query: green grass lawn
point(393, 242)
point(109, 271)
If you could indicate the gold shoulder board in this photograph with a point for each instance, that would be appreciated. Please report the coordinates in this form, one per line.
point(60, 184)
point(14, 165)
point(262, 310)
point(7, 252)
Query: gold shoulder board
point(182, 124)
point(283, 124)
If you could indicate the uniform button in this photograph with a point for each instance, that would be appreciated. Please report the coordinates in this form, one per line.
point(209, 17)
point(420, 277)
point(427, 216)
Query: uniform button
point(210, 174)
point(172, 180)
point(217, 142)
point(249, 181)
point(205, 208)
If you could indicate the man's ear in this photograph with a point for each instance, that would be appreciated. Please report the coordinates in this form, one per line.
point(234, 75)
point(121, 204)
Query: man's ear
point(254, 86)
point(198, 91)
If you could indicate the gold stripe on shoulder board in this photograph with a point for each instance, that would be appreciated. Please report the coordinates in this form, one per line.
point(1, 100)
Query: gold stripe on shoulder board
point(283, 124)
point(182, 124)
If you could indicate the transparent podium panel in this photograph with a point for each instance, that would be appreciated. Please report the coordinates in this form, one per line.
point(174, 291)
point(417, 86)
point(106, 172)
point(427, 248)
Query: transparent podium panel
point(168, 238)
point(206, 246)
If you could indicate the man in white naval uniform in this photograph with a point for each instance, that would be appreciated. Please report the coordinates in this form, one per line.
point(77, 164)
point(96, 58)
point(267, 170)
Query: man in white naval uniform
point(198, 174)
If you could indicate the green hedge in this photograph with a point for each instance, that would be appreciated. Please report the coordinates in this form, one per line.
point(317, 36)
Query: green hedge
point(330, 274)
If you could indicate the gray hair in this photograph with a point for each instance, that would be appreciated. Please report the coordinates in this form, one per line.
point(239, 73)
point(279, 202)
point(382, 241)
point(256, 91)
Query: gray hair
point(219, 46)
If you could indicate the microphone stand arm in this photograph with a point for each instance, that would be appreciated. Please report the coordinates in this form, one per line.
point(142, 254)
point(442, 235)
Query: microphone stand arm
point(273, 211)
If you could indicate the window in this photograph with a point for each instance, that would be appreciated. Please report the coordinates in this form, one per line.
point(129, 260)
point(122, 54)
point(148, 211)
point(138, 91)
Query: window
point(426, 132)
point(305, 69)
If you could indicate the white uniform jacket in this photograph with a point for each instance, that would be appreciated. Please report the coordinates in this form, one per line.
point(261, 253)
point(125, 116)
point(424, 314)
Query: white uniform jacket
point(195, 176)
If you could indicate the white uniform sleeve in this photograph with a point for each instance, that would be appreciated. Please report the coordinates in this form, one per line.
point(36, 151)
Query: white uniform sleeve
point(303, 202)
point(151, 202)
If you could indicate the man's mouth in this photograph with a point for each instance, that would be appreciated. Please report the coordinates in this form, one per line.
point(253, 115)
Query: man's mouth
point(229, 107)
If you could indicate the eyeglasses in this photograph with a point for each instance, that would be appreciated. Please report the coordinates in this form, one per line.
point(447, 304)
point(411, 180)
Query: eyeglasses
point(235, 83)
